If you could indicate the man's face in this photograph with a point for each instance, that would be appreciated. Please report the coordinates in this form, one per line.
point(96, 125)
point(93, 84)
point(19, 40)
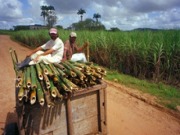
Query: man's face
point(53, 36)
point(72, 39)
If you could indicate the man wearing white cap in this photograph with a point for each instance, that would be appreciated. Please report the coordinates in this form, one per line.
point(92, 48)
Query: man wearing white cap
point(72, 51)
point(50, 52)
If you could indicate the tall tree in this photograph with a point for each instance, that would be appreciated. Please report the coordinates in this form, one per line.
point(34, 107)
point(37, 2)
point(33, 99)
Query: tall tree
point(48, 13)
point(81, 12)
point(51, 19)
point(88, 24)
point(96, 16)
point(51, 9)
point(44, 12)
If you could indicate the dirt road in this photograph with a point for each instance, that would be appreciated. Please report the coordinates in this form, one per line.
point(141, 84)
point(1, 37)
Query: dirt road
point(126, 115)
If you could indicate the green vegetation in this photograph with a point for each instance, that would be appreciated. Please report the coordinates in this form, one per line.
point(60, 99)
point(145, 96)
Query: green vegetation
point(6, 32)
point(153, 55)
point(166, 95)
point(148, 55)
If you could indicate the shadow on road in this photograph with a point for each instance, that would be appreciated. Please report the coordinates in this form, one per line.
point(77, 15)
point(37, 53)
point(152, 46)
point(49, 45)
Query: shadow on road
point(11, 124)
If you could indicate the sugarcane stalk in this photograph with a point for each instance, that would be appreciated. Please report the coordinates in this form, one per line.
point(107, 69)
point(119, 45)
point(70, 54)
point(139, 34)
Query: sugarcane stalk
point(55, 79)
point(97, 69)
point(88, 63)
point(97, 75)
point(53, 89)
point(60, 82)
point(26, 91)
point(87, 74)
point(59, 95)
point(39, 71)
point(15, 54)
point(70, 73)
point(79, 68)
point(61, 73)
point(102, 73)
point(21, 93)
point(71, 67)
point(24, 79)
point(28, 77)
point(33, 77)
point(69, 84)
point(19, 75)
point(54, 70)
point(40, 94)
point(75, 81)
point(46, 95)
point(33, 85)
point(66, 82)
point(60, 66)
point(44, 69)
point(13, 60)
point(19, 84)
point(65, 65)
point(33, 95)
point(77, 64)
point(46, 80)
point(91, 77)
point(50, 73)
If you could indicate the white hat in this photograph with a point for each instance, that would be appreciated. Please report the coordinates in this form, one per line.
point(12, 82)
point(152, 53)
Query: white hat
point(73, 34)
point(53, 30)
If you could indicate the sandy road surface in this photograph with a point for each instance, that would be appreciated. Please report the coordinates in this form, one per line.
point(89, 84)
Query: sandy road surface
point(126, 115)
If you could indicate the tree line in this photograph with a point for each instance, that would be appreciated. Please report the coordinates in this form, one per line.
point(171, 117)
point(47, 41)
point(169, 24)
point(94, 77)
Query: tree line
point(50, 19)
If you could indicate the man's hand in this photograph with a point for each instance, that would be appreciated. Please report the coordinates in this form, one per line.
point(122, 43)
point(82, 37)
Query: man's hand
point(29, 54)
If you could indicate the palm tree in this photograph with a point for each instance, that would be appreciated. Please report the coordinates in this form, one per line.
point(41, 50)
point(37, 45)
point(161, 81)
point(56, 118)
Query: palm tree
point(96, 16)
point(81, 12)
point(47, 11)
point(51, 9)
point(44, 12)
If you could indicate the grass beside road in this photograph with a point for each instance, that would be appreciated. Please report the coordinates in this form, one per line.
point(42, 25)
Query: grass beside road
point(167, 95)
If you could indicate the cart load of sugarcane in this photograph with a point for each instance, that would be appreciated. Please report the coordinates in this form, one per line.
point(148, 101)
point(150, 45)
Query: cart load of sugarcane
point(50, 83)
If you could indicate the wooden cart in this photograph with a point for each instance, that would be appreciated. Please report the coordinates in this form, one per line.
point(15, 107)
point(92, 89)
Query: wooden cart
point(84, 113)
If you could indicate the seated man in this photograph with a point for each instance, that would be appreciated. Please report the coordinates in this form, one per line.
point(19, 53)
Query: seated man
point(72, 51)
point(50, 52)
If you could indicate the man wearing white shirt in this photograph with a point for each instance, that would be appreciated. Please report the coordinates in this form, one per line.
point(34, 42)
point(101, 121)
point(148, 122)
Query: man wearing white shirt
point(50, 52)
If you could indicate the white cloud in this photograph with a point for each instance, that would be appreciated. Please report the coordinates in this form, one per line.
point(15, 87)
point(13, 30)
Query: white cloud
point(10, 9)
point(124, 14)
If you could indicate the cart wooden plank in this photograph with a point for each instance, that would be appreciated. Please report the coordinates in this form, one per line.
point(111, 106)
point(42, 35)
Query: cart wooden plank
point(84, 113)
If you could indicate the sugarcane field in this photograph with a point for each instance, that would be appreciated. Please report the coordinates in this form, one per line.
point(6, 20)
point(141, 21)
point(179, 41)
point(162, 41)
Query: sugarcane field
point(89, 98)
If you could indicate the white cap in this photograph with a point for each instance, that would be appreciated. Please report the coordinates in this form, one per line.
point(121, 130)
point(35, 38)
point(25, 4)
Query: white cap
point(73, 34)
point(53, 30)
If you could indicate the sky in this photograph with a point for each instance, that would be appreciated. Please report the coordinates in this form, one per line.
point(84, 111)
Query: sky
point(123, 14)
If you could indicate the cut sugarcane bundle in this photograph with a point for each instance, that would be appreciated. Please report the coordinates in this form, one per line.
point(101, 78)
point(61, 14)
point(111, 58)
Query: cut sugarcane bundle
point(48, 83)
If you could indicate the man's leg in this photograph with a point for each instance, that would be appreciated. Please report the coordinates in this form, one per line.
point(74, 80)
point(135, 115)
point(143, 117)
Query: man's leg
point(79, 57)
point(24, 63)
